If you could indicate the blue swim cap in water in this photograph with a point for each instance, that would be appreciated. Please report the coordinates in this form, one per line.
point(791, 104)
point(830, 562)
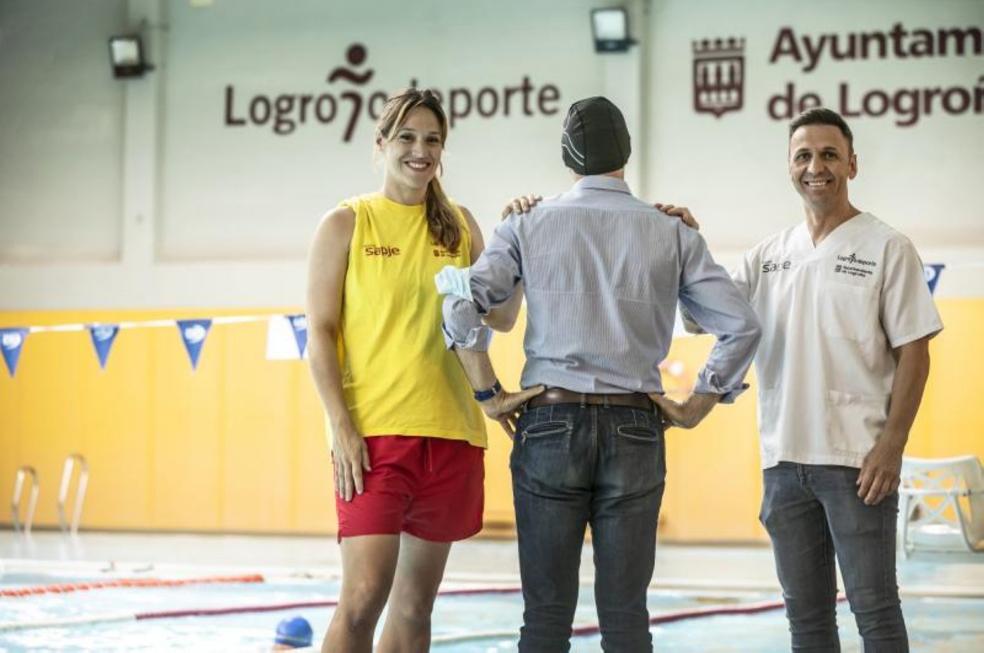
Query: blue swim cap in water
point(295, 632)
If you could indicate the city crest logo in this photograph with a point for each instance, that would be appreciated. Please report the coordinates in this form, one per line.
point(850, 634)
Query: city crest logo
point(719, 75)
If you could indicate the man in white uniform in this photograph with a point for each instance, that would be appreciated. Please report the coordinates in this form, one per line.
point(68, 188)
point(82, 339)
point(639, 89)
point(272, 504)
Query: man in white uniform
point(846, 320)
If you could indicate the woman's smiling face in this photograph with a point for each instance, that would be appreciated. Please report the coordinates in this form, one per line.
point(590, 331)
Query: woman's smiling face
point(413, 154)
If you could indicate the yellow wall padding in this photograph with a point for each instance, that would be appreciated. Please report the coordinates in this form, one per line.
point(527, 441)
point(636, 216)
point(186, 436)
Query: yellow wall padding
point(239, 444)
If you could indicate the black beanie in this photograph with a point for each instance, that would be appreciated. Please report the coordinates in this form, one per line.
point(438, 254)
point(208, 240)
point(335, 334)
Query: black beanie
point(595, 138)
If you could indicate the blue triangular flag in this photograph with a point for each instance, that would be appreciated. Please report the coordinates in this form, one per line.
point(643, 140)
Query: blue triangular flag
point(193, 333)
point(299, 324)
point(932, 272)
point(103, 336)
point(11, 342)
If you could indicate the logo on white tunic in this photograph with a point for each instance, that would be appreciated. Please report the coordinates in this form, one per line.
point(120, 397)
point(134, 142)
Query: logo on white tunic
point(776, 266)
point(854, 260)
point(853, 266)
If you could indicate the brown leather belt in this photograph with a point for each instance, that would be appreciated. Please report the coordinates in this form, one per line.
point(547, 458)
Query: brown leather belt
point(552, 396)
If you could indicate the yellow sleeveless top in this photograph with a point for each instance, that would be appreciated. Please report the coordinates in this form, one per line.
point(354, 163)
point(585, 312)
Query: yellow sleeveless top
point(397, 376)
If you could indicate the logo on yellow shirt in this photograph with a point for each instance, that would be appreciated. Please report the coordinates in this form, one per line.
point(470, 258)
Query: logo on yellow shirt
point(381, 250)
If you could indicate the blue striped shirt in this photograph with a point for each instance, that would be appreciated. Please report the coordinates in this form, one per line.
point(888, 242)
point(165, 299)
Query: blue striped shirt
point(603, 272)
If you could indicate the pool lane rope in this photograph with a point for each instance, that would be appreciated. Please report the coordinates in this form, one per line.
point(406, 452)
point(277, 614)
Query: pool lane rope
point(577, 631)
point(276, 607)
point(208, 612)
point(664, 618)
point(65, 588)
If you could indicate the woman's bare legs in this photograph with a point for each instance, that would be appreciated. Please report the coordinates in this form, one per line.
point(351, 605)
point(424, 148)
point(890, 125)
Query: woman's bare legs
point(418, 576)
point(369, 563)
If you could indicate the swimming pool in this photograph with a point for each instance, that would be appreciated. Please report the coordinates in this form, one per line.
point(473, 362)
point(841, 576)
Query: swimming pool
point(936, 624)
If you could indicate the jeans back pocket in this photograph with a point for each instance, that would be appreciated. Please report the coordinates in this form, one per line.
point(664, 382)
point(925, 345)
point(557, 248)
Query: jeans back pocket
point(644, 434)
point(645, 428)
point(547, 429)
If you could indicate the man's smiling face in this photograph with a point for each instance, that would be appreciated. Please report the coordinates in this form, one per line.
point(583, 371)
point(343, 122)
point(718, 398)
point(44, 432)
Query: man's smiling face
point(820, 164)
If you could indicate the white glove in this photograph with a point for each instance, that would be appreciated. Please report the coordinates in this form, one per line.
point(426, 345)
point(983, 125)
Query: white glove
point(454, 281)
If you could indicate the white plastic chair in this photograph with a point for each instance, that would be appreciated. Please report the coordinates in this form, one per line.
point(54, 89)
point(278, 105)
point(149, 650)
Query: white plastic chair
point(941, 504)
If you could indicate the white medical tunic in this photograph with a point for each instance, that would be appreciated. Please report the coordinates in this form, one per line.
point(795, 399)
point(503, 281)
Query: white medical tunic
point(831, 315)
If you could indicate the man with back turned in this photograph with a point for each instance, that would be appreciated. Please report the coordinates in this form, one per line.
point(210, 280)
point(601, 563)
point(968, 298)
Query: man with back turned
point(602, 272)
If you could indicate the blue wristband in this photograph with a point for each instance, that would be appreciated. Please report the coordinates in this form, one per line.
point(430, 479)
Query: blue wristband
point(485, 395)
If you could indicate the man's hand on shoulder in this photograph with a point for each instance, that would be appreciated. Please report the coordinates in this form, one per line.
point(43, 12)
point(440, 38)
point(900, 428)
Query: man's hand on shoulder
point(522, 204)
point(681, 212)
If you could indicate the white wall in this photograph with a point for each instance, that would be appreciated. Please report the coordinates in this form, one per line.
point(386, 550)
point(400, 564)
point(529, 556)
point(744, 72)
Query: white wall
point(137, 194)
point(60, 133)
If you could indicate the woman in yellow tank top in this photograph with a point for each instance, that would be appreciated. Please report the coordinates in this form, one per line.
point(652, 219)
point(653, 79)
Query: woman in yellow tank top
point(407, 436)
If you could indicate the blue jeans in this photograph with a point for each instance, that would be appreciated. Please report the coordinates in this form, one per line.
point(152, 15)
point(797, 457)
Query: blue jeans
point(572, 466)
point(813, 512)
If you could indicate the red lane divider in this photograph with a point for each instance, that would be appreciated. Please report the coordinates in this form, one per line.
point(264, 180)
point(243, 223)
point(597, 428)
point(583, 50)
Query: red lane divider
point(65, 588)
point(696, 613)
point(275, 607)
point(481, 590)
point(211, 612)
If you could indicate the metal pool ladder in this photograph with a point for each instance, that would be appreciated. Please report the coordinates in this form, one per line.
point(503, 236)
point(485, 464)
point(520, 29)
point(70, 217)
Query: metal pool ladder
point(66, 482)
point(25, 472)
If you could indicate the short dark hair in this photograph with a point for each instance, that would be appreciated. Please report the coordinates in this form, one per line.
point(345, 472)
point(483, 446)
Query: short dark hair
point(822, 116)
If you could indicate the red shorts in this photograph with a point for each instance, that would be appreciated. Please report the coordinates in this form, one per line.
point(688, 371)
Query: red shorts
point(431, 488)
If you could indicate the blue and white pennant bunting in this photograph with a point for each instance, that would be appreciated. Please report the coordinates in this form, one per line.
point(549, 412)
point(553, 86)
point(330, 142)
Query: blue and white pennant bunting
point(932, 271)
point(11, 343)
point(193, 334)
point(103, 337)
